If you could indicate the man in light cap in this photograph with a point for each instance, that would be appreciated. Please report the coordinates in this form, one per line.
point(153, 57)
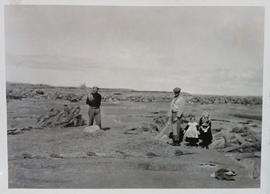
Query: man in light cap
point(94, 100)
point(175, 116)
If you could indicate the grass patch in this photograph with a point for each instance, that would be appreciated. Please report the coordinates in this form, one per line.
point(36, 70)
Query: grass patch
point(247, 116)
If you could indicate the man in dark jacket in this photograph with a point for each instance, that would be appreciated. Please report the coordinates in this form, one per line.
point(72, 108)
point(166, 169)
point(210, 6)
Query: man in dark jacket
point(94, 100)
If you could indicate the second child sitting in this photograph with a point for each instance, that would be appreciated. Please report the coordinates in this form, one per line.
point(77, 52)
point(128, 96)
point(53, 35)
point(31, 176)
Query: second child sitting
point(205, 130)
point(192, 132)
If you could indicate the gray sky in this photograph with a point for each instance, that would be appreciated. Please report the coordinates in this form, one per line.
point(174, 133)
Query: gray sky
point(206, 50)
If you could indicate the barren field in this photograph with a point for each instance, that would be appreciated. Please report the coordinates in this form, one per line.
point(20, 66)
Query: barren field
point(125, 154)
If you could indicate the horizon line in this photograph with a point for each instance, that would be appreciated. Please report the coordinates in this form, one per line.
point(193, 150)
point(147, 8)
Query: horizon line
point(132, 90)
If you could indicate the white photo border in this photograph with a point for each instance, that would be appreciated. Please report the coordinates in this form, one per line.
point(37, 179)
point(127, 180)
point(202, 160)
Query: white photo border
point(265, 159)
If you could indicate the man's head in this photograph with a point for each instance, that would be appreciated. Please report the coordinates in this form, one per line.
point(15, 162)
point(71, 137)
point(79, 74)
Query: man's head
point(95, 89)
point(176, 91)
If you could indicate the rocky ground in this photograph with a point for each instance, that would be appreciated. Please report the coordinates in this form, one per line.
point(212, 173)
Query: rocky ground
point(48, 146)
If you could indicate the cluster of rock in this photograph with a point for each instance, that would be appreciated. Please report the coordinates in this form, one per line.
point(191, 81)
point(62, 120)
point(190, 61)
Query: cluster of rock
point(68, 117)
point(71, 97)
point(240, 139)
point(17, 92)
point(16, 131)
point(112, 98)
point(20, 93)
point(139, 97)
point(243, 144)
point(249, 100)
point(157, 124)
point(191, 99)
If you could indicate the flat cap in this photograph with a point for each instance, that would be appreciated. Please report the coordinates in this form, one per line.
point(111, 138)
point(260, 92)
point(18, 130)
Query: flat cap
point(176, 90)
point(95, 87)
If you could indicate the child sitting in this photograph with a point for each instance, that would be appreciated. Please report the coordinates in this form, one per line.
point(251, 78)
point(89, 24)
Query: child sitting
point(205, 130)
point(192, 132)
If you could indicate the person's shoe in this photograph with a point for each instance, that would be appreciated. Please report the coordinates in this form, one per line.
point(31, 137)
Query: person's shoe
point(173, 143)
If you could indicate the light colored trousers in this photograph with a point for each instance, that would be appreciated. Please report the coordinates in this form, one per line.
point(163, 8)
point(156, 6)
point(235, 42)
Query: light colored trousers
point(94, 115)
point(176, 127)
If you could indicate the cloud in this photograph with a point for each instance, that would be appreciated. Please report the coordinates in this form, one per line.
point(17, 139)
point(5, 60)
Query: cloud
point(201, 49)
point(62, 63)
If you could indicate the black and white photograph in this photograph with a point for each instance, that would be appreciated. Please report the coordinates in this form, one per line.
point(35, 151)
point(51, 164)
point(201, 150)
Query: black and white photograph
point(101, 97)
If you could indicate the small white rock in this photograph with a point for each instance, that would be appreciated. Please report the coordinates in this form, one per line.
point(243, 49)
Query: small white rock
point(91, 129)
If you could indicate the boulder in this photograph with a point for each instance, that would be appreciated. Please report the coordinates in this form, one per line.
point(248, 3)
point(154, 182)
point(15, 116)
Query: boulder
point(91, 129)
point(178, 153)
point(224, 174)
point(218, 144)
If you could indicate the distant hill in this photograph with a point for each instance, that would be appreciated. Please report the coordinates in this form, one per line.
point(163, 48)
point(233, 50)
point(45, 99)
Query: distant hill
point(76, 94)
point(28, 85)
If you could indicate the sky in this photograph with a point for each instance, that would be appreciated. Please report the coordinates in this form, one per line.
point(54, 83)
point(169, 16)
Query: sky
point(203, 50)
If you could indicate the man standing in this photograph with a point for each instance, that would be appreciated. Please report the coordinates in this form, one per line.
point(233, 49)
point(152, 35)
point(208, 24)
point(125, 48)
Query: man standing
point(94, 100)
point(175, 116)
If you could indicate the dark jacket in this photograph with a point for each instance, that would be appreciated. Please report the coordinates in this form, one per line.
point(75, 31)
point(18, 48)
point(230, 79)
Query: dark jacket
point(205, 136)
point(95, 103)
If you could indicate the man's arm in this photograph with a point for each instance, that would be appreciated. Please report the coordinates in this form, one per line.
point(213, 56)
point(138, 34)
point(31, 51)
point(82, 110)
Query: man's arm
point(100, 97)
point(210, 123)
point(198, 127)
point(178, 106)
point(186, 128)
point(89, 98)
